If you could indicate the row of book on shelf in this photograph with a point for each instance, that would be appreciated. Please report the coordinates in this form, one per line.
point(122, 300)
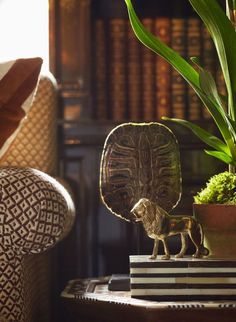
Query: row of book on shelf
point(131, 82)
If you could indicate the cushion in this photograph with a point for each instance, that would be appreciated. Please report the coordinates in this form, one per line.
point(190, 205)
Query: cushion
point(35, 145)
point(18, 83)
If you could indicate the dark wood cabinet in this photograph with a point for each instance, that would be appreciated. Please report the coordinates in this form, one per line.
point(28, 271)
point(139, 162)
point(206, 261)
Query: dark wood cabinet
point(100, 243)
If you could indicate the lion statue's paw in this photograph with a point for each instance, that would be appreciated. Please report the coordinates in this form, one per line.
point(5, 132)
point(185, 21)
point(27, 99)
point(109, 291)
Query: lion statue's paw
point(153, 257)
point(165, 257)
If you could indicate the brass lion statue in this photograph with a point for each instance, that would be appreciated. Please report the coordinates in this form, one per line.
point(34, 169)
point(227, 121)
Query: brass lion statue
point(159, 225)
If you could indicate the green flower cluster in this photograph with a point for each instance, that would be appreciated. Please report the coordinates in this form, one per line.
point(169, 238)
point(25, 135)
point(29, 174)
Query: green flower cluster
point(220, 189)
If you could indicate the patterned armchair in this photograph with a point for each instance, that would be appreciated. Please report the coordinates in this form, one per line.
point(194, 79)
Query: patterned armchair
point(36, 212)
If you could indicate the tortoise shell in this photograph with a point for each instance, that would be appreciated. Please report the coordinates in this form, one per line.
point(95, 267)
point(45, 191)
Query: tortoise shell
point(140, 160)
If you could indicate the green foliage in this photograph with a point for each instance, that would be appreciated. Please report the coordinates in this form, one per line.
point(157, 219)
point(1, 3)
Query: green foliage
point(220, 189)
point(224, 37)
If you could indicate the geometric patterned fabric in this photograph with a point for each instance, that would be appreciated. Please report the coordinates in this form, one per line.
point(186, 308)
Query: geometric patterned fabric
point(11, 297)
point(35, 212)
point(34, 209)
point(38, 279)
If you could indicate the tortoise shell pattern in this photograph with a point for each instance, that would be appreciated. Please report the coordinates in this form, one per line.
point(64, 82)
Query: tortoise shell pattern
point(140, 160)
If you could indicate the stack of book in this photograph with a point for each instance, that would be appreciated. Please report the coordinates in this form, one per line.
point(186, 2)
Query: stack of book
point(133, 83)
point(182, 279)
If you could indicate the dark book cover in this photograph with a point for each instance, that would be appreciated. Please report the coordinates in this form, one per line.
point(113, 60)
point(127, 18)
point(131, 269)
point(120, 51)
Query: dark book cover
point(148, 76)
point(178, 84)
point(100, 79)
point(117, 69)
point(194, 106)
point(134, 75)
point(163, 70)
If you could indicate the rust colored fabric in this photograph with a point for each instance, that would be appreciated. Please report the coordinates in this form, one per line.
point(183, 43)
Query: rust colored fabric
point(18, 82)
point(35, 145)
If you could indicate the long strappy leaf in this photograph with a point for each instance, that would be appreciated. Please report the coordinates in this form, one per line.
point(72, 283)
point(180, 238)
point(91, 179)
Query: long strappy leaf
point(224, 37)
point(187, 71)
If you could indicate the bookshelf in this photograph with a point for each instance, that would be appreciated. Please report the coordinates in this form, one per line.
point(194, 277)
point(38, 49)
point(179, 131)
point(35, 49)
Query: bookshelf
point(106, 77)
point(130, 81)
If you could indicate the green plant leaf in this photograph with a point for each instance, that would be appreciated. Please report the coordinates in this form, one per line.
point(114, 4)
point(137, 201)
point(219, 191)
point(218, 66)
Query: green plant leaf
point(232, 124)
point(188, 72)
point(156, 45)
point(208, 86)
point(205, 136)
point(224, 37)
point(221, 156)
point(222, 122)
point(224, 99)
point(230, 8)
point(196, 61)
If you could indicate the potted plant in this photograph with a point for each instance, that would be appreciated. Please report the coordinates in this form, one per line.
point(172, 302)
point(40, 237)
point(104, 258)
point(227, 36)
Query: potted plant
point(215, 209)
point(221, 26)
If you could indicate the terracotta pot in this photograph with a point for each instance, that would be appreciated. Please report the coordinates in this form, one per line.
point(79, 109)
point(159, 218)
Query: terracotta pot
point(219, 226)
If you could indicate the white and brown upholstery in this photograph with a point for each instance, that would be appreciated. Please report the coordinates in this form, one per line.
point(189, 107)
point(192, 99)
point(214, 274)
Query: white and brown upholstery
point(36, 212)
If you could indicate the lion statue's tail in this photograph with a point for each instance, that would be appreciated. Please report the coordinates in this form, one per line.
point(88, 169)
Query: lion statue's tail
point(202, 249)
